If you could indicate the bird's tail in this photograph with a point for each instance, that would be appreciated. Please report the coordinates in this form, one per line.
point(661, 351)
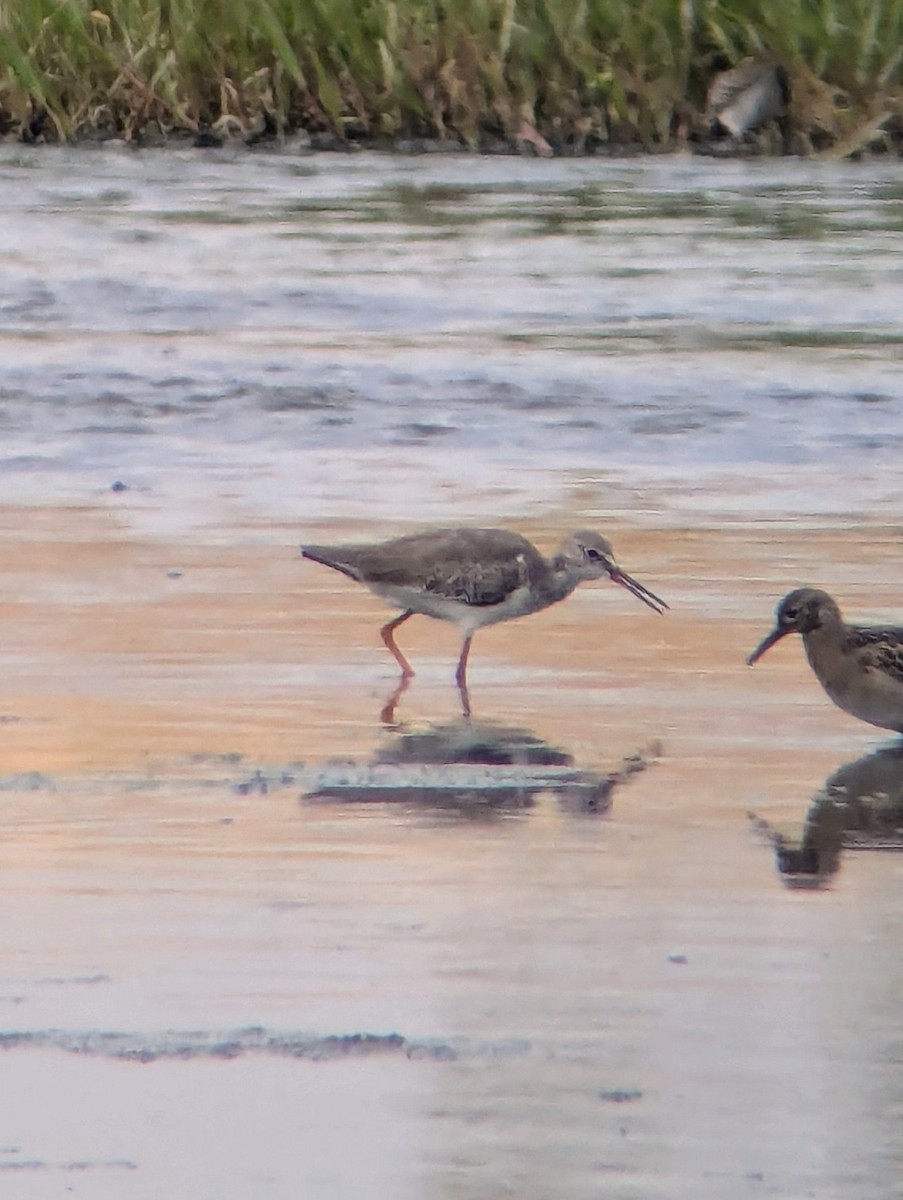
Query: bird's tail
point(329, 556)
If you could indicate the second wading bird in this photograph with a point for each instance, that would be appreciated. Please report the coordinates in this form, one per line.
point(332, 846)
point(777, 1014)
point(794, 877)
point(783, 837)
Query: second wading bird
point(859, 666)
point(473, 578)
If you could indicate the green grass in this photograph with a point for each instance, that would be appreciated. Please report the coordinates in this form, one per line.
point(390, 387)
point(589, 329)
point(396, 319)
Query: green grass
point(579, 72)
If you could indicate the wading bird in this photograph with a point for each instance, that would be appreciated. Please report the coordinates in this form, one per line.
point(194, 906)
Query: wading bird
point(859, 666)
point(473, 578)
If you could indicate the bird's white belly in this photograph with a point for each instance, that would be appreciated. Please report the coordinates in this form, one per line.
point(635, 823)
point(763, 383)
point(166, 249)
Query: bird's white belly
point(469, 617)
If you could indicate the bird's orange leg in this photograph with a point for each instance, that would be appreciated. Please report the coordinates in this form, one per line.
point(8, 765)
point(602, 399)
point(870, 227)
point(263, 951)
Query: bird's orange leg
point(461, 677)
point(386, 634)
point(461, 673)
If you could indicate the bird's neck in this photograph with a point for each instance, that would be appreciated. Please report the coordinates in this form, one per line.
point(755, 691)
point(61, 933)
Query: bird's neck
point(824, 645)
point(560, 580)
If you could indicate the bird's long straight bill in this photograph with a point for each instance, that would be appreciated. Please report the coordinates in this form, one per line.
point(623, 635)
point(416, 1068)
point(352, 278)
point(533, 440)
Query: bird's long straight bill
point(637, 589)
point(765, 644)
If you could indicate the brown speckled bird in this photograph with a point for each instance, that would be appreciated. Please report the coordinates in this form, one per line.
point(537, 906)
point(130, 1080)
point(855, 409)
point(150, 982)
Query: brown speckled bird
point(859, 666)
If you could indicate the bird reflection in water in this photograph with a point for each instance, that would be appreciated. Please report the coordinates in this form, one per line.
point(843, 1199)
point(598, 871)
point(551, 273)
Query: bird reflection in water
point(860, 807)
point(387, 712)
point(475, 767)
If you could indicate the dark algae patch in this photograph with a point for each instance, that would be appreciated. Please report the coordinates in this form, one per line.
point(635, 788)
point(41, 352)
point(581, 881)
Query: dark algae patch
point(190, 1045)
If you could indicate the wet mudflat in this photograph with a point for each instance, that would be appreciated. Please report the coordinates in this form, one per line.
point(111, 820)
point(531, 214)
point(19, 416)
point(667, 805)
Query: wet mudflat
point(233, 967)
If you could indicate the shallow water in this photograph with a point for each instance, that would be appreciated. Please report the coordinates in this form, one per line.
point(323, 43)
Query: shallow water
point(214, 873)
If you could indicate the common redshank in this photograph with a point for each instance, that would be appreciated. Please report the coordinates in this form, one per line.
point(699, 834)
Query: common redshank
point(473, 577)
point(859, 666)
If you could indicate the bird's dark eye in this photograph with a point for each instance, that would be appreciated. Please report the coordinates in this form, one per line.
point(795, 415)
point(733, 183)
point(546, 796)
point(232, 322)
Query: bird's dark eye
point(790, 614)
point(592, 552)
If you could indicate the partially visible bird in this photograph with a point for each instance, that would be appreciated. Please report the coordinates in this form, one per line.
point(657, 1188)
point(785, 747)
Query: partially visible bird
point(746, 96)
point(473, 578)
point(859, 666)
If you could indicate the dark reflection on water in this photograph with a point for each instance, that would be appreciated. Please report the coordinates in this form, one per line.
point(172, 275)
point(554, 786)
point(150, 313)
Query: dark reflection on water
point(871, 793)
point(860, 807)
point(475, 768)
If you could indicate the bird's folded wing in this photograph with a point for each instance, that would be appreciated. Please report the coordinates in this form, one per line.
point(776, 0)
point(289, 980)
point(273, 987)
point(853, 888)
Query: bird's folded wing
point(476, 583)
point(473, 570)
point(879, 647)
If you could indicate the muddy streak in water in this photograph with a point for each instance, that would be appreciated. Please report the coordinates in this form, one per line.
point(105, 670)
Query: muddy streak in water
point(206, 360)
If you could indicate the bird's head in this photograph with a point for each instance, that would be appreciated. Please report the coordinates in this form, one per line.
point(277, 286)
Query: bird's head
point(588, 555)
point(802, 611)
